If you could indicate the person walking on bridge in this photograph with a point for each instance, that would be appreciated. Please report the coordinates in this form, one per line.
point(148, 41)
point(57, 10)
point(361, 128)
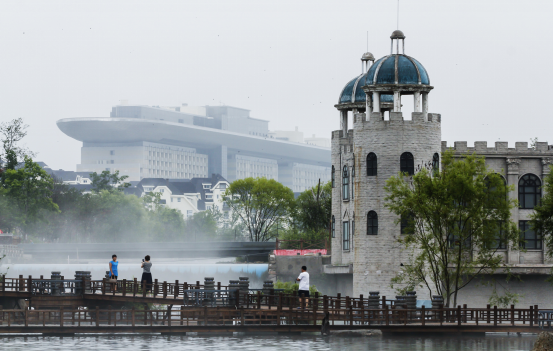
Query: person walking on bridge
point(113, 270)
point(304, 286)
point(146, 274)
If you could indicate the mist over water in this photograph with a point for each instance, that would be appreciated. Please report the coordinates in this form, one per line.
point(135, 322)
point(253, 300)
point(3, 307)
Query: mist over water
point(312, 341)
point(183, 270)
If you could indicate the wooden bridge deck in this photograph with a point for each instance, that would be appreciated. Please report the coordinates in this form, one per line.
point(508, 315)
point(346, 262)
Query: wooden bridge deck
point(75, 306)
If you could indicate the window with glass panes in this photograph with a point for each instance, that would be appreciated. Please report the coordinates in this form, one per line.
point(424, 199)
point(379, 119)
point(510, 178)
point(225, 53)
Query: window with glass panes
point(529, 238)
point(345, 235)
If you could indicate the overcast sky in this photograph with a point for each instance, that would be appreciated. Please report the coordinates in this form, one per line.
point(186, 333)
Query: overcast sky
point(286, 61)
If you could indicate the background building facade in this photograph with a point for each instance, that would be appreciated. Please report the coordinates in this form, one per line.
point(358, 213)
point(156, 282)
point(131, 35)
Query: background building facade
point(185, 142)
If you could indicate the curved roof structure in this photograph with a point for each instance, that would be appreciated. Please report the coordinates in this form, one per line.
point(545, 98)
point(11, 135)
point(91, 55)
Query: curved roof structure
point(131, 130)
point(352, 92)
point(397, 69)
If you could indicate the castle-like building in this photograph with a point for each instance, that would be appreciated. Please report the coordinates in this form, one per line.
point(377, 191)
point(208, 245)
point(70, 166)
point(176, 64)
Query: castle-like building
point(384, 142)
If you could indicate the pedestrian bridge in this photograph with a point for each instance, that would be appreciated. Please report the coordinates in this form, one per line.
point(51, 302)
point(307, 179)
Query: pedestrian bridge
point(59, 306)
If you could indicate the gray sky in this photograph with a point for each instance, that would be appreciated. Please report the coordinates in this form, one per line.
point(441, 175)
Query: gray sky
point(286, 61)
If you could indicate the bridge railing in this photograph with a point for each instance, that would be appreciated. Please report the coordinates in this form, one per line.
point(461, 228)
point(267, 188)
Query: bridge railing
point(203, 316)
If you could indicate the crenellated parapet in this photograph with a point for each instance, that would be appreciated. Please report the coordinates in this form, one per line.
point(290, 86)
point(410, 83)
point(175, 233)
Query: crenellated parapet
point(500, 148)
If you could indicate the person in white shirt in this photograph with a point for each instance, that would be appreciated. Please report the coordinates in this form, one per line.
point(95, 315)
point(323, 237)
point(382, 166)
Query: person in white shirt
point(303, 278)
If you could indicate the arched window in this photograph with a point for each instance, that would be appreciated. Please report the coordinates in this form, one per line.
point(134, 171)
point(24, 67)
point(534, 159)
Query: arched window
point(435, 164)
point(406, 163)
point(529, 192)
point(345, 235)
point(371, 164)
point(345, 183)
point(372, 223)
point(333, 227)
point(333, 177)
point(407, 223)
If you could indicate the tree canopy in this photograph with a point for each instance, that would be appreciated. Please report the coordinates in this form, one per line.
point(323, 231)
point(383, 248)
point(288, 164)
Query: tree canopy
point(542, 218)
point(259, 203)
point(458, 218)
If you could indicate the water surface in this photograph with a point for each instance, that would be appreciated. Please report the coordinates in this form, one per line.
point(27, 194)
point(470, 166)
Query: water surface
point(491, 342)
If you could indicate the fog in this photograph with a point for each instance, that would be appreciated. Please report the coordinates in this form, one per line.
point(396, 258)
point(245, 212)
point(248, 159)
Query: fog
point(287, 61)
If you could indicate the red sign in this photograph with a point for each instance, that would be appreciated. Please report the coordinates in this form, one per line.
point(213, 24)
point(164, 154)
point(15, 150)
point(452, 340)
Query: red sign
point(301, 252)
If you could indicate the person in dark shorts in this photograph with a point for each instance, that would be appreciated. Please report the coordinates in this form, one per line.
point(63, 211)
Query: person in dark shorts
point(146, 274)
point(303, 278)
point(113, 270)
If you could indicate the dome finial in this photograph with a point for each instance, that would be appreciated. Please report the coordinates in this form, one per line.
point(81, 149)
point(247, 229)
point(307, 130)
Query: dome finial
point(366, 61)
point(397, 35)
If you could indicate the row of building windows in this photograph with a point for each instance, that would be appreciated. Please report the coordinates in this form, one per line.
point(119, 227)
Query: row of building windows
point(529, 238)
point(406, 163)
point(529, 185)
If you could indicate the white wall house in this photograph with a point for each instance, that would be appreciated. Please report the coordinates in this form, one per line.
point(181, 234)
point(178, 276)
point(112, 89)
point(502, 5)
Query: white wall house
point(188, 196)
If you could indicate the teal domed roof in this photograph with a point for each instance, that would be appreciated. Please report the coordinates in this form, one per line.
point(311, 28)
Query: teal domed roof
point(397, 69)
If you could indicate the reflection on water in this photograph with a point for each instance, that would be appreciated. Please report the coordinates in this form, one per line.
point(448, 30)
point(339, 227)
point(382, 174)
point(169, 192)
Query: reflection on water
point(492, 342)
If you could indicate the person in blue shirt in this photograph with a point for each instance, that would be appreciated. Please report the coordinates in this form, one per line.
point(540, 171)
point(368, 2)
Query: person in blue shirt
point(113, 270)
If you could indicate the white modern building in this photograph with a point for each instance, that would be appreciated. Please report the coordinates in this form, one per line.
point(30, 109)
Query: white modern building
point(185, 142)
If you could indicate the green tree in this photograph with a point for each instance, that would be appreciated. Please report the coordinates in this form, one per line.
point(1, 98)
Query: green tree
point(29, 189)
point(259, 203)
point(201, 226)
point(542, 217)
point(458, 219)
point(108, 181)
point(313, 208)
point(11, 133)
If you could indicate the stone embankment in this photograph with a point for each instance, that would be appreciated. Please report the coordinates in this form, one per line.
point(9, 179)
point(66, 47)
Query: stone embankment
point(544, 342)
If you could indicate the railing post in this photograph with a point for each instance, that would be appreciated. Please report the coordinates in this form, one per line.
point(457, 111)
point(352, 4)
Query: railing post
point(488, 318)
point(258, 300)
point(465, 314)
point(459, 315)
point(176, 289)
point(156, 288)
point(423, 315)
point(386, 314)
point(512, 314)
point(495, 316)
point(104, 286)
point(536, 313)
point(169, 314)
point(124, 288)
point(315, 305)
point(164, 286)
point(135, 287)
point(144, 288)
point(61, 316)
point(280, 298)
point(30, 285)
point(325, 304)
point(531, 316)
point(20, 285)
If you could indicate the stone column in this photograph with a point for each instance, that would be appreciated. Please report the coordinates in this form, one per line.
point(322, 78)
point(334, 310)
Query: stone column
point(369, 105)
point(513, 255)
point(546, 163)
point(416, 101)
point(376, 101)
point(425, 104)
point(397, 101)
point(344, 122)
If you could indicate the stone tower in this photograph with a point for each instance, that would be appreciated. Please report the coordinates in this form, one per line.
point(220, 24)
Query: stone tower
point(364, 232)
